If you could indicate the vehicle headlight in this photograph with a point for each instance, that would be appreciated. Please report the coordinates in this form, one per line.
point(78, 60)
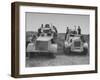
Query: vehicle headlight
point(66, 44)
point(85, 45)
point(53, 48)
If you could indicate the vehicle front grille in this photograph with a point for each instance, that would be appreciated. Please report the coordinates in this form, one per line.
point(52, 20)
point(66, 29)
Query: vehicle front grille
point(41, 45)
point(77, 44)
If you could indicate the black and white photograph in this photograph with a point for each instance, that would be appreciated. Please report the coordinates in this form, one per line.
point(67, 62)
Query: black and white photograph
point(52, 39)
point(56, 39)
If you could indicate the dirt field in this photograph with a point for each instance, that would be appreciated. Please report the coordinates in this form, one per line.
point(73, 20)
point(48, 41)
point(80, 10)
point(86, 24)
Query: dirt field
point(58, 61)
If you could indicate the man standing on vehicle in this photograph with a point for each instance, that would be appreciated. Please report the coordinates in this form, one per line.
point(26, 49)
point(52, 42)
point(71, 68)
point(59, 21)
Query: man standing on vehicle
point(79, 30)
point(55, 31)
point(40, 30)
point(67, 31)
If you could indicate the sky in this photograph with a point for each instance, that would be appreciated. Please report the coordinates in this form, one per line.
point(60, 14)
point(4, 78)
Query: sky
point(33, 21)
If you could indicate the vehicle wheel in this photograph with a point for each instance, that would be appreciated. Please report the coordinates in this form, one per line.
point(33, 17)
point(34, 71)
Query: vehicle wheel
point(51, 55)
point(85, 51)
point(67, 50)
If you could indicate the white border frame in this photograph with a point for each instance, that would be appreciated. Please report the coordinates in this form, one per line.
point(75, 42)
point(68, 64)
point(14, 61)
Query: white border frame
point(69, 68)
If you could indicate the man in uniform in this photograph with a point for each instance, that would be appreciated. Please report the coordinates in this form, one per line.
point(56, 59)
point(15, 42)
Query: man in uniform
point(79, 30)
point(67, 31)
point(40, 30)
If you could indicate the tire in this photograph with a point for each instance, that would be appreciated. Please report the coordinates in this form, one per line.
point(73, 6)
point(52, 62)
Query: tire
point(85, 51)
point(67, 50)
point(51, 55)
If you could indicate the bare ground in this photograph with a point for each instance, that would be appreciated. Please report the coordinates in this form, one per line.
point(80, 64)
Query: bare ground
point(58, 61)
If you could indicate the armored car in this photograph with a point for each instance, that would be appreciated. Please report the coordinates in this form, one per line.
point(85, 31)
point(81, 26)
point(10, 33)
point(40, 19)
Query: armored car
point(74, 43)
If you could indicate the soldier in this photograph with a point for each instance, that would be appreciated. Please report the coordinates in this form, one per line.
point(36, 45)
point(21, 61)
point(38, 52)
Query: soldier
point(47, 25)
point(75, 31)
point(67, 31)
point(55, 31)
point(79, 30)
point(54, 34)
point(29, 40)
point(40, 30)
